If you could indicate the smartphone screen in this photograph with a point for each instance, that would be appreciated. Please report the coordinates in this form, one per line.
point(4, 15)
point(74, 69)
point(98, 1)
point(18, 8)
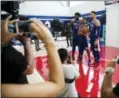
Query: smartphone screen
point(23, 26)
point(11, 28)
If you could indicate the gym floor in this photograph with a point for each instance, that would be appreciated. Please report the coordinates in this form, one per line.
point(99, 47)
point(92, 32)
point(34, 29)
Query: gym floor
point(90, 81)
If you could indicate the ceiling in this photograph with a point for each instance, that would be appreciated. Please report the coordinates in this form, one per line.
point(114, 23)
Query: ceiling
point(71, 3)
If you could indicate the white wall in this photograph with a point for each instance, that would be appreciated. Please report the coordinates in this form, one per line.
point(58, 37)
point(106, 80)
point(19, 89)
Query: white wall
point(54, 8)
point(112, 27)
point(45, 8)
point(87, 7)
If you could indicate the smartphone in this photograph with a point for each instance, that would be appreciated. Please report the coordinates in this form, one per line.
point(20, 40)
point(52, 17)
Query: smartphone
point(23, 26)
point(117, 59)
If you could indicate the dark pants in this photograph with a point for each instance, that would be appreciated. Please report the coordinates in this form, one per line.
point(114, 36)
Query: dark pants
point(56, 35)
point(37, 44)
point(79, 96)
point(95, 50)
point(83, 44)
point(75, 43)
point(69, 41)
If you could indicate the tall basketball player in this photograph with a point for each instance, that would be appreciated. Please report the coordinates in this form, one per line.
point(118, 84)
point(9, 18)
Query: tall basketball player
point(95, 36)
point(75, 26)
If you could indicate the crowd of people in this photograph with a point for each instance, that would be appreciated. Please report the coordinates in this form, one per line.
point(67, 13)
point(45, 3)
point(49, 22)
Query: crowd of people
point(82, 32)
point(63, 69)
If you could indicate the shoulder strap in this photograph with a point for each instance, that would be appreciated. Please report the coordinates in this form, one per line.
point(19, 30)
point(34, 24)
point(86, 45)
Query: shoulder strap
point(69, 80)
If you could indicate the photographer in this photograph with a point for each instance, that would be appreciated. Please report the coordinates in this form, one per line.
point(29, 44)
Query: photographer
point(71, 72)
point(107, 90)
point(68, 31)
point(56, 81)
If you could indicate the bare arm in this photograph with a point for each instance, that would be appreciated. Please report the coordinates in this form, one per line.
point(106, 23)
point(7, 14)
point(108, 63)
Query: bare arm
point(96, 22)
point(46, 89)
point(56, 78)
point(56, 71)
point(107, 89)
point(29, 58)
point(6, 36)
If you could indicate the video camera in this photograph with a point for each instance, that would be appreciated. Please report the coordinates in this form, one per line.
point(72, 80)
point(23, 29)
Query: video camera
point(12, 8)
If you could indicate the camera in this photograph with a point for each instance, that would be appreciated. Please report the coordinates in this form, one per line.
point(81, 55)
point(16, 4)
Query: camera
point(12, 8)
point(23, 26)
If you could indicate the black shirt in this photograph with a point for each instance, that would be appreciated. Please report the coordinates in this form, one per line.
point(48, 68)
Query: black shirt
point(68, 30)
point(13, 65)
point(116, 90)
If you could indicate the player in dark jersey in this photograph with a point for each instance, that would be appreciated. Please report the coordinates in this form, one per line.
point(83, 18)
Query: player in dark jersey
point(83, 41)
point(95, 36)
point(75, 26)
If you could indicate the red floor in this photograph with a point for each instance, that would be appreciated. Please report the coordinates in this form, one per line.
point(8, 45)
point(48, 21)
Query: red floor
point(89, 84)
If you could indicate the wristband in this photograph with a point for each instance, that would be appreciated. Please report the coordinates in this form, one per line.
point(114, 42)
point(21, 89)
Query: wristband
point(109, 69)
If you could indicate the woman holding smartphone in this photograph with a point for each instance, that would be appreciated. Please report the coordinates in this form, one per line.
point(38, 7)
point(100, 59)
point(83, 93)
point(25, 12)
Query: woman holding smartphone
point(50, 88)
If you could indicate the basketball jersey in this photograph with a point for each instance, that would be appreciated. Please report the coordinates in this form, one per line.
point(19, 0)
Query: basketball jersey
point(93, 30)
point(75, 27)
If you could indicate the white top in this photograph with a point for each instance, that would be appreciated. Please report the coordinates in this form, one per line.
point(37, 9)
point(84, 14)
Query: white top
point(70, 72)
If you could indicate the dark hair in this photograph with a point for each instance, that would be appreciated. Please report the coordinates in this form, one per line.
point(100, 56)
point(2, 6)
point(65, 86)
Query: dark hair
point(63, 53)
point(93, 12)
point(77, 13)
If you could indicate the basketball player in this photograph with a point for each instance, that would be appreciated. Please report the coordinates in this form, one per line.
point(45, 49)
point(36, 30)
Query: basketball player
point(83, 42)
point(94, 36)
point(75, 26)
